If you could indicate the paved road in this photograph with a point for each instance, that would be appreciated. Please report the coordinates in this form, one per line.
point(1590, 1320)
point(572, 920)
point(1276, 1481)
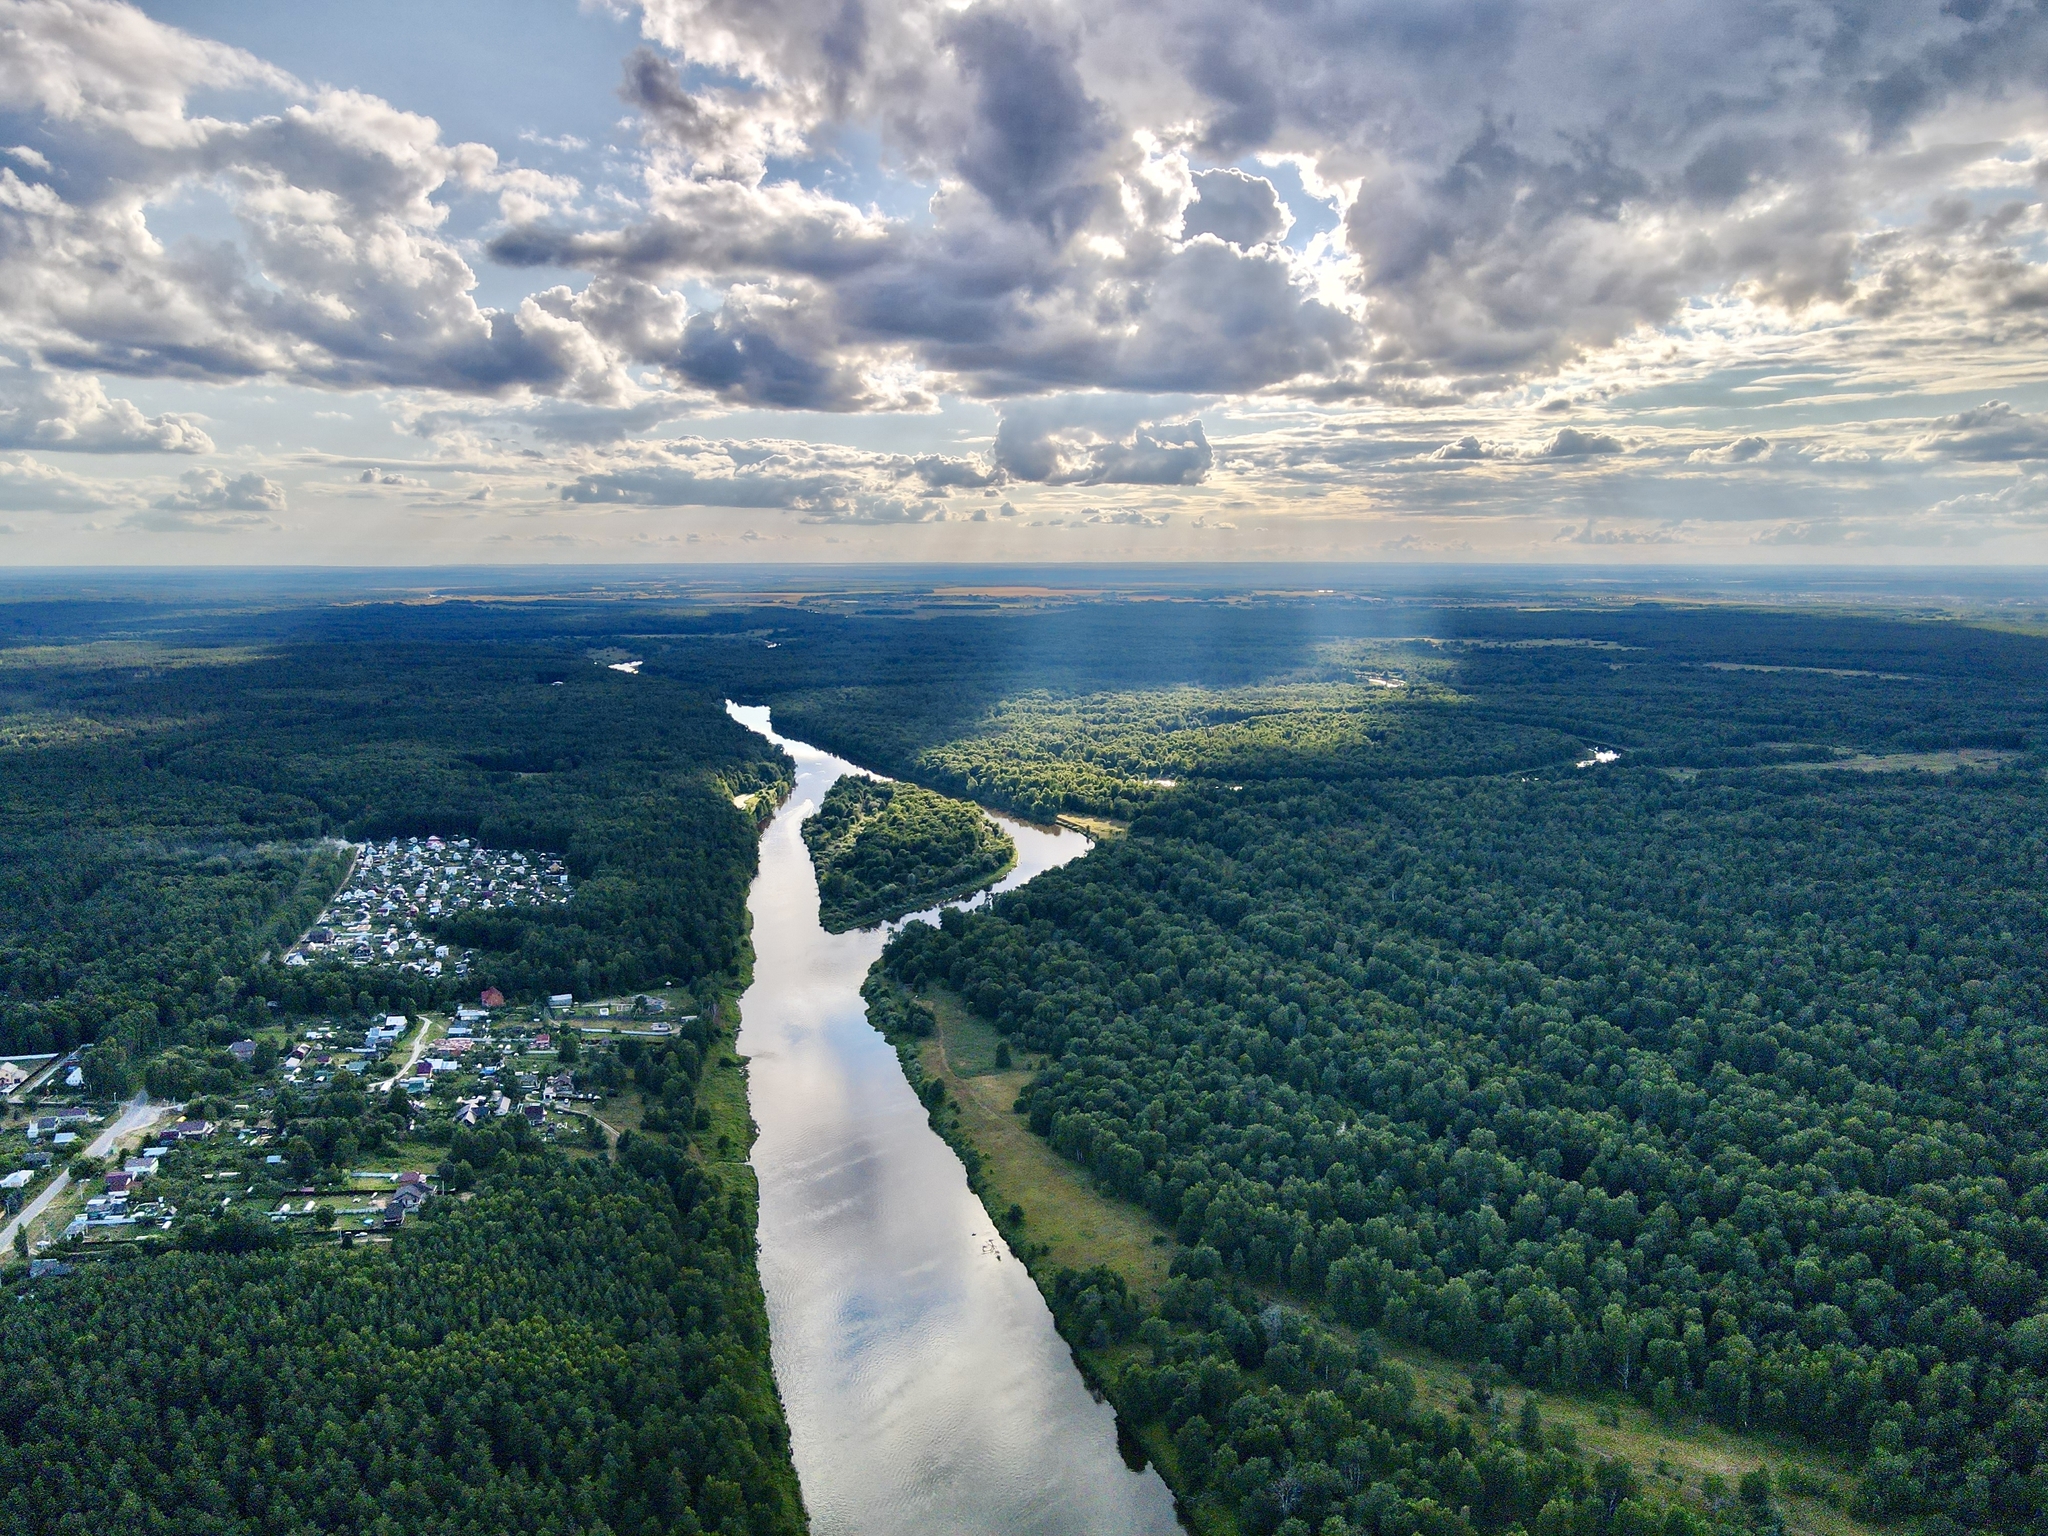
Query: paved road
point(138, 1115)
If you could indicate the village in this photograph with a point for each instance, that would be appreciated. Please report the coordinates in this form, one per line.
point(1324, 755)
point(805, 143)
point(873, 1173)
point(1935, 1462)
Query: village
point(82, 1176)
point(400, 886)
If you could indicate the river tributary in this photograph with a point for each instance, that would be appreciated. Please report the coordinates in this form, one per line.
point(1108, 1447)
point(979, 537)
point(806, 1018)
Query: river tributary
point(927, 1390)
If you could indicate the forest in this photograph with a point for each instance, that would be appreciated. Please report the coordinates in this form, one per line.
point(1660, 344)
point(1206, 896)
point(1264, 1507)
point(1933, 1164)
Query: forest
point(578, 1347)
point(883, 849)
point(168, 817)
point(1710, 1073)
point(1631, 997)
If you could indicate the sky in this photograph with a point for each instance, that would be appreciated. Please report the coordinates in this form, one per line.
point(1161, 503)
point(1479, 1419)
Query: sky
point(446, 281)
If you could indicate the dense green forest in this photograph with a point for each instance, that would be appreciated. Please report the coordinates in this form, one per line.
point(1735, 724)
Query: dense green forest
point(1710, 1071)
point(560, 1342)
point(883, 849)
point(165, 817)
point(1720, 1085)
point(579, 1347)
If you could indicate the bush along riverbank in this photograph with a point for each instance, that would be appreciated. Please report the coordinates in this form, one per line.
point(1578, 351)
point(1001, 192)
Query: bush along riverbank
point(1263, 1416)
point(883, 850)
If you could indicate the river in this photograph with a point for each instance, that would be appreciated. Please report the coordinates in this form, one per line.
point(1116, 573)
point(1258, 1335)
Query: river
point(927, 1390)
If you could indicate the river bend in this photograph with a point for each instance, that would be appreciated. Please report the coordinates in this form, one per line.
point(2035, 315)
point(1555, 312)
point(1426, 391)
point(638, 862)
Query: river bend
point(927, 1390)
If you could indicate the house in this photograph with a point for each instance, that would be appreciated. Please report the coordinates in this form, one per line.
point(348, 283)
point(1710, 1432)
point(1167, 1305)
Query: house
point(11, 1076)
point(243, 1051)
point(37, 1160)
point(75, 1078)
point(320, 936)
point(117, 1183)
point(535, 1113)
point(186, 1130)
point(542, 1043)
point(442, 1064)
point(138, 1168)
point(491, 997)
point(470, 1015)
point(21, 1178)
point(53, 1269)
point(562, 1000)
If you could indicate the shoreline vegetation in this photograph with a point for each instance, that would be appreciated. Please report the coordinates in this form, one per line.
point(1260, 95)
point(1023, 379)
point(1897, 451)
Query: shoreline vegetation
point(884, 849)
point(564, 1337)
point(1073, 1237)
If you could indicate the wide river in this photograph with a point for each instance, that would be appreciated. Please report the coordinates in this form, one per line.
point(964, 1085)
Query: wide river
point(926, 1387)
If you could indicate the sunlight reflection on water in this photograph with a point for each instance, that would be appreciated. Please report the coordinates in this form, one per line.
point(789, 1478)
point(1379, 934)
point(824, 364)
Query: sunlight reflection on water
point(926, 1387)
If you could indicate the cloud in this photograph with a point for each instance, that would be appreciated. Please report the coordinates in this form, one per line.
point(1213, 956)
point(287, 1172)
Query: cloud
point(1564, 443)
point(1121, 518)
point(1743, 450)
point(161, 519)
point(28, 485)
point(1469, 447)
point(1571, 443)
point(1084, 441)
point(208, 490)
point(2023, 501)
point(821, 481)
point(70, 413)
point(1993, 432)
point(1245, 210)
point(1593, 534)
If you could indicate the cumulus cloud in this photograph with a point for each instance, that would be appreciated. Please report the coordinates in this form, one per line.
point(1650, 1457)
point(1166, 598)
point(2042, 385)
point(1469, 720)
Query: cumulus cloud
point(1126, 517)
point(208, 490)
point(1571, 443)
point(1095, 441)
point(1118, 234)
point(1742, 450)
point(823, 482)
point(73, 413)
point(1992, 432)
point(1089, 224)
point(1564, 443)
point(28, 485)
point(1244, 210)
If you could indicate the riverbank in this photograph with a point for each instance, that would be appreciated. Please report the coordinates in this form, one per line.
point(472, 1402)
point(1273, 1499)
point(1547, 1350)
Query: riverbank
point(882, 850)
point(1068, 1224)
point(926, 1385)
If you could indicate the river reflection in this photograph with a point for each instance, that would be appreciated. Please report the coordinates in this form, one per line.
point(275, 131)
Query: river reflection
point(926, 1388)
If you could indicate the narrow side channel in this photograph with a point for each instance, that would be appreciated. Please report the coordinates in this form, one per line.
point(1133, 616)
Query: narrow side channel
point(926, 1387)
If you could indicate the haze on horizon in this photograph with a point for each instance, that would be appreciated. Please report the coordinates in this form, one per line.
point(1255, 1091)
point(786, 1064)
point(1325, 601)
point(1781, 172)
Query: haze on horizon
point(804, 280)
